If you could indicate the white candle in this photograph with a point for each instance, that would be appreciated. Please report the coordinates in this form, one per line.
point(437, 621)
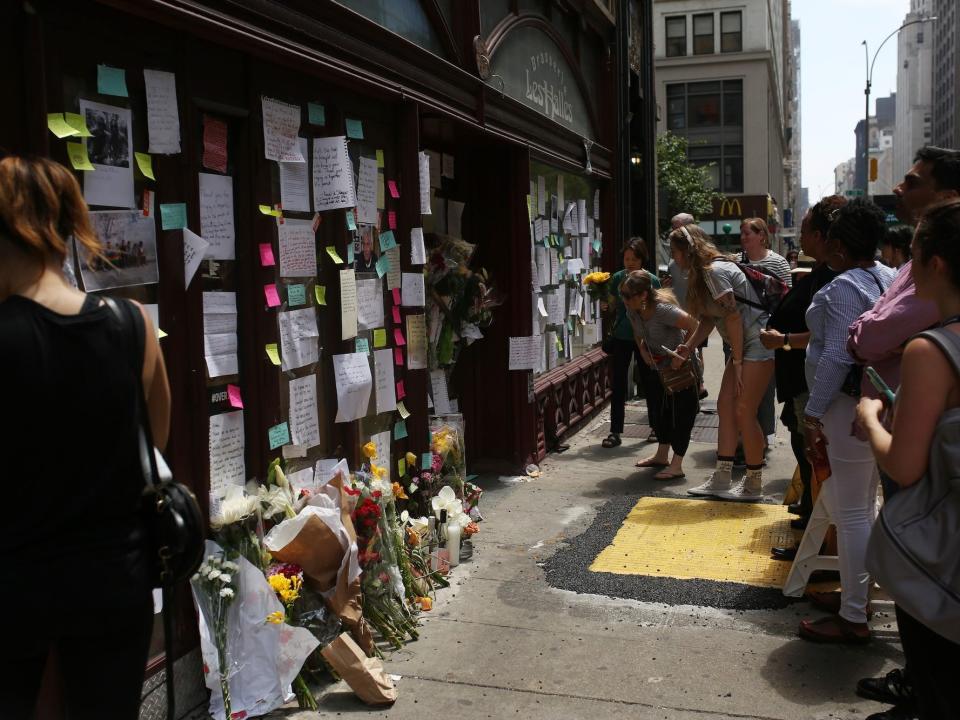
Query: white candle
point(453, 543)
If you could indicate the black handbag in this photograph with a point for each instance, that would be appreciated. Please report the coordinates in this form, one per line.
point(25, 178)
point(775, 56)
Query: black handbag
point(609, 341)
point(175, 531)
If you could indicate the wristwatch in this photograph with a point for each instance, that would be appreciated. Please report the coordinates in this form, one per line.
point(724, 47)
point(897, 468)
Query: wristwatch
point(786, 342)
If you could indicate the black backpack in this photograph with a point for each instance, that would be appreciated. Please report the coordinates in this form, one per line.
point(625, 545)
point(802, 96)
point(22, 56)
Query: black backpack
point(769, 288)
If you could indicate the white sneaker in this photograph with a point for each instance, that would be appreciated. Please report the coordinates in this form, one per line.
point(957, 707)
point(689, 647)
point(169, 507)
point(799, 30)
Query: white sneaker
point(743, 491)
point(718, 482)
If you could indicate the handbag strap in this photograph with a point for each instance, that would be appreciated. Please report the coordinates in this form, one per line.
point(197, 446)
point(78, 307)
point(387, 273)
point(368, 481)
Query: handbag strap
point(948, 342)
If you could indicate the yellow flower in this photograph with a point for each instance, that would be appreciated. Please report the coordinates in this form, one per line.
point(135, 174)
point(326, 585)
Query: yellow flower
point(411, 460)
point(426, 603)
point(398, 492)
point(279, 583)
point(369, 450)
point(378, 472)
point(275, 618)
point(442, 442)
point(596, 278)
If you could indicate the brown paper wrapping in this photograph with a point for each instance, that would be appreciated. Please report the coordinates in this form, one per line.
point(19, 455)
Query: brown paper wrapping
point(363, 674)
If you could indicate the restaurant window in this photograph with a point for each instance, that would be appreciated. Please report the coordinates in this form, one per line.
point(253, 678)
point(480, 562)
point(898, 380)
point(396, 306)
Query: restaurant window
point(676, 36)
point(731, 36)
point(404, 17)
point(703, 34)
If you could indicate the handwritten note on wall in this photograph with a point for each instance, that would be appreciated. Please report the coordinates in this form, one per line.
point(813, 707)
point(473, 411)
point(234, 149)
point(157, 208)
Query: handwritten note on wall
point(298, 338)
point(216, 216)
point(348, 304)
point(295, 182)
point(416, 342)
point(298, 249)
point(370, 303)
point(163, 120)
point(332, 175)
point(281, 125)
point(304, 427)
point(353, 382)
point(383, 366)
point(226, 449)
point(367, 192)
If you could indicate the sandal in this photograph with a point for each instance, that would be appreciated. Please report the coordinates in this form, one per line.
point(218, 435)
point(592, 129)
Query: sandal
point(667, 475)
point(834, 629)
point(611, 441)
point(830, 602)
point(650, 462)
point(893, 688)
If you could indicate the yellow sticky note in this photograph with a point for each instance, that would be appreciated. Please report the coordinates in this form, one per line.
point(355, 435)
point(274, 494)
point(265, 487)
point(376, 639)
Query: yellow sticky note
point(145, 163)
point(379, 158)
point(160, 334)
point(267, 210)
point(273, 353)
point(402, 409)
point(78, 155)
point(379, 338)
point(321, 292)
point(78, 123)
point(402, 466)
point(59, 127)
point(332, 252)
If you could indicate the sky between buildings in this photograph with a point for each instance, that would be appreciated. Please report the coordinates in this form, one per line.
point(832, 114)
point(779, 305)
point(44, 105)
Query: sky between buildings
point(833, 75)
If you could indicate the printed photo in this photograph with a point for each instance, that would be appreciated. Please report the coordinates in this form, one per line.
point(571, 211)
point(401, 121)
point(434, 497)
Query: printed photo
point(365, 250)
point(110, 144)
point(130, 251)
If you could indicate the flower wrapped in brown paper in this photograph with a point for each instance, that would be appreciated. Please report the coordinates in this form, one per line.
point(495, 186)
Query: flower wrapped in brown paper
point(364, 675)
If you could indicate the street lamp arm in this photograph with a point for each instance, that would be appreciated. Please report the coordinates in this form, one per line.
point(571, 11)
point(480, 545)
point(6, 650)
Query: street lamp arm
point(908, 24)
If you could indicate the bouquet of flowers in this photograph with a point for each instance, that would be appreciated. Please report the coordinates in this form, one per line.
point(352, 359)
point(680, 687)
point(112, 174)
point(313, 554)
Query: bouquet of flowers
point(596, 284)
point(215, 587)
point(286, 580)
point(237, 525)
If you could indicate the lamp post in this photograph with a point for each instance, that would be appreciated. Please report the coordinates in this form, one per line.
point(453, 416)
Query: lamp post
point(866, 91)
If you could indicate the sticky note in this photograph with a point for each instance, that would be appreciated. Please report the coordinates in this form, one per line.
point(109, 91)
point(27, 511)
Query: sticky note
point(351, 220)
point(363, 346)
point(426, 460)
point(273, 297)
point(402, 467)
point(596, 245)
point(392, 186)
point(402, 409)
point(401, 390)
point(173, 216)
point(233, 394)
point(398, 357)
point(273, 353)
point(332, 252)
point(78, 123)
point(278, 435)
point(267, 210)
point(145, 163)
point(60, 127)
point(383, 265)
point(316, 114)
point(379, 158)
point(387, 240)
point(392, 220)
point(111, 81)
point(266, 255)
point(379, 338)
point(396, 314)
point(396, 296)
point(296, 295)
point(398, 337)
point(321, 292)
point(354, 129)
point(400, 430)
point(77, 151)
point(349, 253)
point(160, 334)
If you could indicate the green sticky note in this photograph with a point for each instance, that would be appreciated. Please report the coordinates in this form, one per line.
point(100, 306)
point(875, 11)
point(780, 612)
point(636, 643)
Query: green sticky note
point(351, 220)
point(379, 158)
point(145, 163)
point(296, 295)
point(316, 114)
point(273, 353)
point(111, 81)
point(77, 151)
point(400, 430)
point(321, 292)
point(426, 461)
point(350, 253)
point(380, 337)
point(267, 210)
point(60, 127)
point(387, 242)
point(332, 252)
point(383, 265)
point(78, 123)
point(278, 435)
point(354, 129)
point(363, 346)
point(173, 216)
point(402, 467)
point(596, 245)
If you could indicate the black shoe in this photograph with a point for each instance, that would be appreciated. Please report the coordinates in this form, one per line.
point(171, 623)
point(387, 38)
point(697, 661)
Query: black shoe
point(799, 523)
point(893, 689)
point(796, 509)
point(897, 712)
point(784, 553)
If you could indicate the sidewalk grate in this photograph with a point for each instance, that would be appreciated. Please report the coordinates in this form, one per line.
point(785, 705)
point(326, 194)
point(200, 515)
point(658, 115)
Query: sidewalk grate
point(637, 425)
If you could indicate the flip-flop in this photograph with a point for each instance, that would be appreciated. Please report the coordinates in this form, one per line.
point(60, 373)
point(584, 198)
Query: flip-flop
point(649, 463)
point(611, 441)
point(669, 476)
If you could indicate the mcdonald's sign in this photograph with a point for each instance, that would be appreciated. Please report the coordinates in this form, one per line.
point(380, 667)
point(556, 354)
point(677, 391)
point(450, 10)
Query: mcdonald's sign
point(730, 207)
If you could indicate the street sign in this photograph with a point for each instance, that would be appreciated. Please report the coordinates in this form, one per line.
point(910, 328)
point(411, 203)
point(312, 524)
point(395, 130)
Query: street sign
point(857, 192)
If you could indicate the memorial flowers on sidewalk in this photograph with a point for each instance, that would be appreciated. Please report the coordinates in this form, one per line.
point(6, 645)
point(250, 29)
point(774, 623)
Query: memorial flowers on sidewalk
point(286, 580)
point(215, 587)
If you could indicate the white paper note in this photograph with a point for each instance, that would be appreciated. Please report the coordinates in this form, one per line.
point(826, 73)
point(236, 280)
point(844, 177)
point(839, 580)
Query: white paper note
point(582, 216)
point(367, 192)
point(541, 196)
point(194, 248)
point(215, 303)
point(298, 338)
point(216, 215)
point(295, 181)
point(394, 273)
point(111, 154)
point(416, 342)
point(441, 395)
point(226, 446)
point(281, 126)
point(163, 120)
point(381, 441)
point(298, 248)
point(304, 426)
point(301, 479)
point(418, 253)
point(351, 376)
point(413, 293)
point(370, 304)
point(424, 184)
point(220, 353)
point(386, 390)
point(523, 353)
point(332, 175)
point(348, 304)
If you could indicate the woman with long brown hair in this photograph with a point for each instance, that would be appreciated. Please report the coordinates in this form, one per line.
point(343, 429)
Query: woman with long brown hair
point(72, 553)
point(720, 296)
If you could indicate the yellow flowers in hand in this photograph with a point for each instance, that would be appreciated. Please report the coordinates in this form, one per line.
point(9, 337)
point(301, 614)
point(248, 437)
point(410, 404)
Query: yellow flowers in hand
point(596, 278)
point(369, 451)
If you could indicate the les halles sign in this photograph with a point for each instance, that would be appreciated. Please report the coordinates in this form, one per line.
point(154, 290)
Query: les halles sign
point(546, 87)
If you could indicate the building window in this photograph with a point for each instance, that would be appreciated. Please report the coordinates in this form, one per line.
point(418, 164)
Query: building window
point(703, 34)
point(731, 37)
point(676, 36)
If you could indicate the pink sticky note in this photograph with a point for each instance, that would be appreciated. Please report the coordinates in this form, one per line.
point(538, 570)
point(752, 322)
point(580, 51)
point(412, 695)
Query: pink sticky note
point(392, 220)
point(396, 296)
point(273, 298)
point(233, 393)
point(398, 337)
point(266, 255)
point(396, 314)
point(398, 357)
point(401, 393)
point(394, 193)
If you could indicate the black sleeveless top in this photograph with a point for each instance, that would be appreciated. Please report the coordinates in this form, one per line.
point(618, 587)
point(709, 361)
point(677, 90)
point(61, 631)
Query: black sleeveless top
point(69, 466)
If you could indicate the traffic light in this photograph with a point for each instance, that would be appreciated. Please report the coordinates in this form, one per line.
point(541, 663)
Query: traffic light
point(873, 169)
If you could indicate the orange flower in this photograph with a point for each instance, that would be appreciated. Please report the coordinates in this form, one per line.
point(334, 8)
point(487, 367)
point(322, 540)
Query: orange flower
point(398, 492)
point(425, 603)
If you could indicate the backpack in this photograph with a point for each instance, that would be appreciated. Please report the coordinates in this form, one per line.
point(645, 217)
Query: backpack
point(769, 288)
point(914, 548)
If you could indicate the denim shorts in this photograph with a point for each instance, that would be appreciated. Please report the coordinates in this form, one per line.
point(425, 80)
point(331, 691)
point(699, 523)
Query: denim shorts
point(754, 351)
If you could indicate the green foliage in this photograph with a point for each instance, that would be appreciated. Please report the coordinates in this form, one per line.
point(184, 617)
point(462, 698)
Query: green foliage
point(686, 187)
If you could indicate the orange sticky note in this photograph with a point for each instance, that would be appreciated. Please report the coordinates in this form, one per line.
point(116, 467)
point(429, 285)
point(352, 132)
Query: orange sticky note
point(273, 297)
point(233, 394)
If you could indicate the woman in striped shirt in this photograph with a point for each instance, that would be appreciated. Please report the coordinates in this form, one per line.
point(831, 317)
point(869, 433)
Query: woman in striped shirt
point(851, 491)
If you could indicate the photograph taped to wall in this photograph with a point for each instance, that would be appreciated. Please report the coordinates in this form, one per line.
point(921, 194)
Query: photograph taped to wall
point(366, 254)
point(110, 149)
point(130, 249)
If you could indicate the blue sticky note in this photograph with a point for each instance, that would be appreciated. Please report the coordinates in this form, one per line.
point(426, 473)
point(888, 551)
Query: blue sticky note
point(354, 129)
point(400, 430)
point(316, 114)
point(296, 295)
point(278, 435)
point(351, 220)
point(363, 346)
point(349, 253)
point(173, 216)
point(387, 240)
point(383, 265)
point(111, 81)
point(426, 461)
point(596, 245)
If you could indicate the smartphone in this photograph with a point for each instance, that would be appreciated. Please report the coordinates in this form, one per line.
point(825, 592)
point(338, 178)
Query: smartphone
point(882, 388)
point(672, 353)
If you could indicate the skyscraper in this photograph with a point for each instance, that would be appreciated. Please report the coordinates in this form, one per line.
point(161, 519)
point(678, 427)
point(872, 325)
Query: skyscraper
point(913, 128)
point(946, 73)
